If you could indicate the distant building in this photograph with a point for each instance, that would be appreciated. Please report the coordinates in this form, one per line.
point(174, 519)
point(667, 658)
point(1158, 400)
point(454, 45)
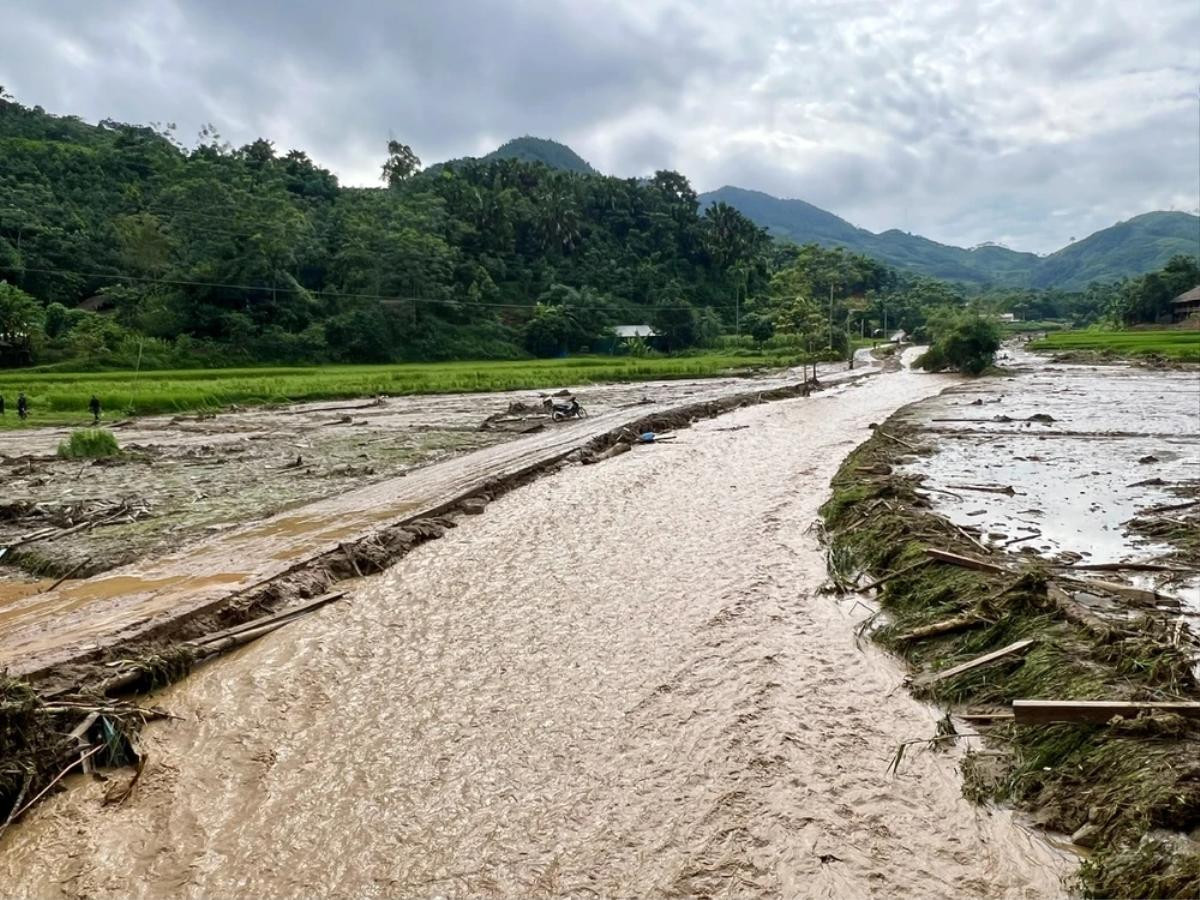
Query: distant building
point(1007, 317)
point(625, 332)
point(1186, 305)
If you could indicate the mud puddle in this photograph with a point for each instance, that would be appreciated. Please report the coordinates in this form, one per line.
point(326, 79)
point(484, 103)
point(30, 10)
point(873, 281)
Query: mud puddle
point(1071, 456)
point(610, 684)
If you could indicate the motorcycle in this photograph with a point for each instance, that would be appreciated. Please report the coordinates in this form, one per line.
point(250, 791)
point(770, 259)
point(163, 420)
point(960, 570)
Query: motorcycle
point(564, 408)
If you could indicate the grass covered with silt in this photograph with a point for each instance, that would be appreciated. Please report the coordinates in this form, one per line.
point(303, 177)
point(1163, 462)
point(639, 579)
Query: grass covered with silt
point(62, 397)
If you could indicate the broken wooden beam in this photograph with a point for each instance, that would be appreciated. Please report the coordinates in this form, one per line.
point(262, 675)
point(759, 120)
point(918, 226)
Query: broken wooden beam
point(967, 562)
point(979, 661)
point(1096, 712)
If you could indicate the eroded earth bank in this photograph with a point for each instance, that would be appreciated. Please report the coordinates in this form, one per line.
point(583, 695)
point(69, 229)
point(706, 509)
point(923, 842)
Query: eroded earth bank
point(620, 680)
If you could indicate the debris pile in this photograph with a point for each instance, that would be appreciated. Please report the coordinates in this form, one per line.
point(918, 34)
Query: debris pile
point(1083, 689)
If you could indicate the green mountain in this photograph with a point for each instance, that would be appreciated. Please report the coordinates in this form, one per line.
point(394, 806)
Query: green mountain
point(1142, 244)
point(530, 150)
point(545, 151)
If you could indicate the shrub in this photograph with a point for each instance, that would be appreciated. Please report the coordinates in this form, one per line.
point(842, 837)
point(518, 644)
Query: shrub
point(89, 443)
point(963, 342)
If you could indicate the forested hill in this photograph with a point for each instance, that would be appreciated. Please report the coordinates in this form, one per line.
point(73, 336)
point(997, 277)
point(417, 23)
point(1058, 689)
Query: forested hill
point(540, 150)
point(1142, 244)
point(257, 254)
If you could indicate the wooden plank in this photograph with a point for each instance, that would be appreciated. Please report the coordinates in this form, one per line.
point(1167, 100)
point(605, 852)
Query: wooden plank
point(977, 662)
point(1042, 712)
point(967, 562)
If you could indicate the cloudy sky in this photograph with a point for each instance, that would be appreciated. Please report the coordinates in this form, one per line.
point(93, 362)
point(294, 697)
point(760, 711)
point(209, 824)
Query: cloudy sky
point(1024, 121)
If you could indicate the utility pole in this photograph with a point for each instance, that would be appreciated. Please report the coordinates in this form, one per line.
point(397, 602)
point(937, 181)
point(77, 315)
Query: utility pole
point(831, 314)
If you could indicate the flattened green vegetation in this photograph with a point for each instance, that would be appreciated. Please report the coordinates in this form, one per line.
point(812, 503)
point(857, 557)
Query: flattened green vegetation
point(1176, 345)
point(1126, 783)
point(62, 397)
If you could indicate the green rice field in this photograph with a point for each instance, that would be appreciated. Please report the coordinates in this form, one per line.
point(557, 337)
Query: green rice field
point(62, 397)
point(1172, 344)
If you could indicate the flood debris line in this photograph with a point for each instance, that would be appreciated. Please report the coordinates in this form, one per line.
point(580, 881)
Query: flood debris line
point(33, 744)
point(1088, 710)
point(34, 740)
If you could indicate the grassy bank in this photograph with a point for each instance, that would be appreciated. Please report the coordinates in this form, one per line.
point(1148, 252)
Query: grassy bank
point(62, 397)
point(1172, 345)
point(1129, 788)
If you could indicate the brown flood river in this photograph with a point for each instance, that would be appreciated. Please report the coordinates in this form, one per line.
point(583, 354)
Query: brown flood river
point(619, 681)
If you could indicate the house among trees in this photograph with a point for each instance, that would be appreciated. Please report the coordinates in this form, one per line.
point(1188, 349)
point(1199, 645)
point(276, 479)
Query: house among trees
point(625, 332)
point(1186, 305)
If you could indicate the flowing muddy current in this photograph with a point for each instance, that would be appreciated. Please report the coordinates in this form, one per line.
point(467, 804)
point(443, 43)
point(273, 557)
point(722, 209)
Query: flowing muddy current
point(621, 680)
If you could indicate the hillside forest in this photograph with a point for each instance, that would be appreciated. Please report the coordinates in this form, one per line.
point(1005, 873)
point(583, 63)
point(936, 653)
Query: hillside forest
point(121, 246)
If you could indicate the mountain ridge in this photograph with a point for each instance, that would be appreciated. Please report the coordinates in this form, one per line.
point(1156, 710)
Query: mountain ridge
point(1132, 247)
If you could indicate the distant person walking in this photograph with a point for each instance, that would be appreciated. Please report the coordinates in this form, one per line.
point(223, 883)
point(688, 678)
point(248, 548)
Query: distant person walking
point(94, 406)
point(1, 404)
point(22, 406)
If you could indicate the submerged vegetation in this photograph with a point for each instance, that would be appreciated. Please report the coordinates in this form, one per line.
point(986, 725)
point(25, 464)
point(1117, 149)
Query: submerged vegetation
point(1128, 788)
point(89, 443)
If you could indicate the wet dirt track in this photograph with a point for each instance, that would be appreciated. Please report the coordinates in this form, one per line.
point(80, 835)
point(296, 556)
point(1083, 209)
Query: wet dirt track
point(619, 681)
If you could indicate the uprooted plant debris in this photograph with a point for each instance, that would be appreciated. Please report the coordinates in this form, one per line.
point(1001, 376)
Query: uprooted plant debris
point(1128, 790)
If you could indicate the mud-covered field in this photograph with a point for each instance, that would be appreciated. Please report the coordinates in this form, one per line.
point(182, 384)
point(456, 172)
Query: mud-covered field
point(180, 478)
point(1076, 464)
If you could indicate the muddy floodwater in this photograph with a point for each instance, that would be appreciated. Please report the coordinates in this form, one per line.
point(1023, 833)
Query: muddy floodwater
point(621, 680)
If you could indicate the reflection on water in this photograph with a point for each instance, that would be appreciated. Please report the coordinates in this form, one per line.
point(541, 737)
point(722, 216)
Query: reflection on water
point(619, 681)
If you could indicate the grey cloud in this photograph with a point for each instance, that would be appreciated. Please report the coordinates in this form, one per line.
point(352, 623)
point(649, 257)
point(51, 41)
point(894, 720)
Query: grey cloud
point(1004, 119)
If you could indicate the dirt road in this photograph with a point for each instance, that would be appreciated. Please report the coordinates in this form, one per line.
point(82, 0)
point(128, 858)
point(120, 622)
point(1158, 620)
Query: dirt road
point(620, 681)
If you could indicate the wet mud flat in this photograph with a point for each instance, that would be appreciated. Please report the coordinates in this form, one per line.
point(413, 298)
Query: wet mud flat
point(610, 683)
point(1031, 538)
point(182, 478)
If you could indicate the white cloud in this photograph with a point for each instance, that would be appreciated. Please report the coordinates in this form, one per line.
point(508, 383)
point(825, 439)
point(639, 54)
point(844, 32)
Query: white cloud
point(1019, 121)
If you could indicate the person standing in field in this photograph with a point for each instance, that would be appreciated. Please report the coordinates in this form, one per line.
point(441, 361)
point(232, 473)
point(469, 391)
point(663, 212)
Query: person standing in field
point(22, 406)
point(1, 404)
point(94, 406)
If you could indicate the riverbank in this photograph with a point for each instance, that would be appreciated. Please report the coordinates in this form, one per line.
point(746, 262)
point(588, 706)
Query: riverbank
point(609, 683)
point(1047, 488)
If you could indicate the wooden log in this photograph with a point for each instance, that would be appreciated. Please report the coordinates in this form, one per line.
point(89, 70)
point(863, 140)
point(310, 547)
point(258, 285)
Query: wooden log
point(967, 562)
point(1097, 712)
point(892, 437)
point(283, 614)
point(945, 626)
point(979, 661)
point(1151, 598)
point(1122, 567)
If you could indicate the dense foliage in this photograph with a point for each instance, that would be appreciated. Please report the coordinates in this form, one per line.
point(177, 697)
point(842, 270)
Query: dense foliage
point(120, 247)
point(224, 254)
